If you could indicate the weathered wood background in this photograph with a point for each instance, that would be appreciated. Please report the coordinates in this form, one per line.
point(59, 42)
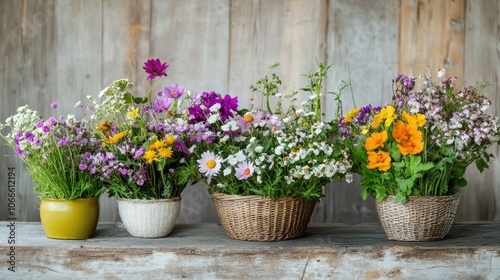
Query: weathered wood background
point(61, 50)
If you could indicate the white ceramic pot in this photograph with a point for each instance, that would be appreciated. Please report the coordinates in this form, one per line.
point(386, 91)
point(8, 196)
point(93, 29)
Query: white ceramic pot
point(149, 218)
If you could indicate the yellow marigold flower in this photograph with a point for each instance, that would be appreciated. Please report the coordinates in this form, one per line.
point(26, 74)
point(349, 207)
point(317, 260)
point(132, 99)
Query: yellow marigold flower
point(117, 137)
point(134, 113)
point(157, 145)
point(165, 152)
point(380, 160)
point(169, 140)
point(351, 114)
point(150, 156)
point(376, 139)
point(421, 121)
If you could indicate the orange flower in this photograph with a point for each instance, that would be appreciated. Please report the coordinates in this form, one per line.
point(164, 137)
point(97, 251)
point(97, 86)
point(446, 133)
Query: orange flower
point(380, 160)
point(405, 131)
point(105, 126)
point(376, 140)
point(412, 146)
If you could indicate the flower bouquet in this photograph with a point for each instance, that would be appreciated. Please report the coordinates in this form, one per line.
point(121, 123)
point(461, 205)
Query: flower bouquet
point(421, 145)
point(144, 149)
point(280, 157)
point(51, 149)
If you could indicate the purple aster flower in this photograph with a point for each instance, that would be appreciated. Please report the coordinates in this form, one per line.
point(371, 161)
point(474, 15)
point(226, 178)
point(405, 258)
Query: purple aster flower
point(53, 105)
point(161, 104)
point(172, 91)
point(155, 68)
point(82, 166)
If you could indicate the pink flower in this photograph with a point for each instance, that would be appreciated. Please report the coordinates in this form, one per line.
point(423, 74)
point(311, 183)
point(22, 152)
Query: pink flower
point(244, 170)
point(248, 119)
point(172, 91)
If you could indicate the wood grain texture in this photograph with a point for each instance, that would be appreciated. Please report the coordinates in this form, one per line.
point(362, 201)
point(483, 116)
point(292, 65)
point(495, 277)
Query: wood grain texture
point(60, 50)
point(481, 198)
point(431, 37)
point(362, 45)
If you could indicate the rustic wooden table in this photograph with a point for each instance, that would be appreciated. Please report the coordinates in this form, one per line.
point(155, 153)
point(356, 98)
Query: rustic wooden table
point(203, 251)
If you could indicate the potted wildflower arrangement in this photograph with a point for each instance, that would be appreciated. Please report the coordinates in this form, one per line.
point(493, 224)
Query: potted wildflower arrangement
point(265, 168)
point(144, 145)
point(413, 154)
point(51, 149)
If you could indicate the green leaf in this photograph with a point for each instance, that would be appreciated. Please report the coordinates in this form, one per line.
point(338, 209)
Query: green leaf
point(128, 98)
point(140, 100)
point(481, 165)
point(462, 182)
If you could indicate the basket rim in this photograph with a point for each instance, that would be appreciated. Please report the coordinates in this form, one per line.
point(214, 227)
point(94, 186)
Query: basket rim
point(424, 197)
point(236, 197)
point(136, 200)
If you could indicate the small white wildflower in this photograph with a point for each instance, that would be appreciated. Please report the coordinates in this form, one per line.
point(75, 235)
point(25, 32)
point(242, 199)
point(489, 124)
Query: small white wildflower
point(279, 150)
point(252, 139)
point(240, 156)
point(191, 149)
point(215, 108)
point(441, 73)
point(224, 139)
point(213, 118)
point(227, 171)
point(259, 149)
point(279, 94)
point(78, 104)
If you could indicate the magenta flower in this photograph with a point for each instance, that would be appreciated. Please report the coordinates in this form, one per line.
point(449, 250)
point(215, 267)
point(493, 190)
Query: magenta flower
point(244, 170)
point(172, 91)
point(161, 104)
point(155, 68)
point(53, 105)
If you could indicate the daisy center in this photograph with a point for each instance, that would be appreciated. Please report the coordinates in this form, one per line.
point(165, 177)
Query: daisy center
point(211, 164)
point(248, 118)
point(247, 171)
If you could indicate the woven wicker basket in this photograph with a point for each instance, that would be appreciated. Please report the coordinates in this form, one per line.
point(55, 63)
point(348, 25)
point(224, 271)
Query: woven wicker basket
point(423, 218)
point(255, 218)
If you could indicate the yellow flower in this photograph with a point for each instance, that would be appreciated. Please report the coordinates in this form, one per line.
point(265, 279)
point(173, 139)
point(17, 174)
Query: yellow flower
point(157, 145)
point(117, 137)
point(377, 121)
point(365, 130)
point(133, 114)
point(165, 152)
point(387, 113)
point(380, 160)
point(169, 140)
point(351, 114)
point(376, 140)
point(150, 156)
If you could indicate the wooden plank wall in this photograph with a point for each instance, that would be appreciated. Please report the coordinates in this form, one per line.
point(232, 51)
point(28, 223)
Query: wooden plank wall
point(61, 50)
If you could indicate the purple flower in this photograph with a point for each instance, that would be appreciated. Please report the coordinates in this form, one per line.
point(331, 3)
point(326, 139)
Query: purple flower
point(196, 114)
point(62, 142)
point(139, 153)
point(161, 104)
point(18, 151)
point(36, 141)
point(123, 171)
point(53, 105)
point(228, 104)
point(45, 129)
point(18, 135)
point(29, 136)
point(172, 91)
point(52, 121)
point(155, 68)
point(82, 166)
point(40, 123)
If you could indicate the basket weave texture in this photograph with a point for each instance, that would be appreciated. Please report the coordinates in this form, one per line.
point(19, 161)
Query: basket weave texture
point(149, 218)
point(422, 218)
point(254, 218)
